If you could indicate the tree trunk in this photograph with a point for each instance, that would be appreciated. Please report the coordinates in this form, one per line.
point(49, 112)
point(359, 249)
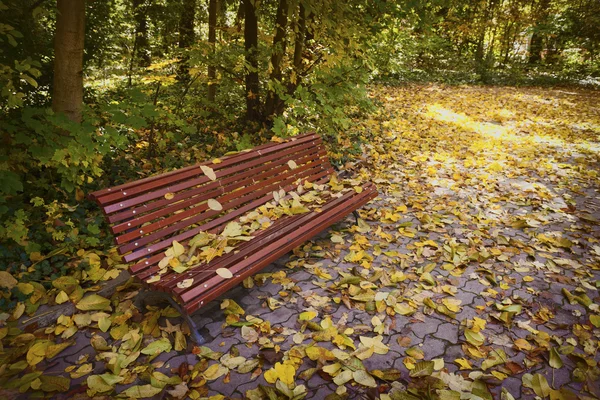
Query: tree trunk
point(67, 93)
point(186, 24)
point(186, 34)
point(212, 39)
point(536, 46)
point(299, 40)
point(279, 46)
point(251, 47)
point(141, 34)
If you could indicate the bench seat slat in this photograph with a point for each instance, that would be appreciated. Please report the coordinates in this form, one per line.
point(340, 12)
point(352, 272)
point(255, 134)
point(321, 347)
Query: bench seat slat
point(163, 204)
point(202, 212)
point(159, 187)
point(266, 196)
point(217, 285)
point(286, 226)
point(222, 193)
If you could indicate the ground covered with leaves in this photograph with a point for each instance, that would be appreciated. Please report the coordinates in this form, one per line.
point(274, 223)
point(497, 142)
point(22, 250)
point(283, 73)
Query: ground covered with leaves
point(474, 275)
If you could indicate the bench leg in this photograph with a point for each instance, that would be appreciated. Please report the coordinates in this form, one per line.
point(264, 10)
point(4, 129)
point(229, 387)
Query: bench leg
point(148, 296)
point(356, 216)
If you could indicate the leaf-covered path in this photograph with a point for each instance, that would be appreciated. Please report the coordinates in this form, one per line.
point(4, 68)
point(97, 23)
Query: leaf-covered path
point(475, 274)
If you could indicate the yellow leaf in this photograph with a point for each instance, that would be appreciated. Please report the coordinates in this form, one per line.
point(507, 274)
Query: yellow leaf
point(19, 310)
point(208, 171)
point(362, 377)
point(94, 302)
point(154, 278)
point(215, 371)
point(224, 273)
point(307, 315)
point(285, 373)
point(214, 205)
point(104, 324)
point(37, 352)
point(7, 280)
point(186, 283)
point(528, 279)
point(25, 288)
point(61, 297)
point(178, 248)
point(271, 376)
point(169, 196)
point(292, 164)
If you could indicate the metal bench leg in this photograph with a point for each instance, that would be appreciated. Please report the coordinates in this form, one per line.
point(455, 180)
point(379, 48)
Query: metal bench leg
point(141, 302)
point(356, 216)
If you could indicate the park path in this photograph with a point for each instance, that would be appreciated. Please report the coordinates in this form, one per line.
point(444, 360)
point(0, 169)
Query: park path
point(474, 274)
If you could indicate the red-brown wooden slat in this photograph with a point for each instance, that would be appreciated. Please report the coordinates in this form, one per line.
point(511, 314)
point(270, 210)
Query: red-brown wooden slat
point(222, 188)
point(163, 204)
point(201, 179)
point(137, 194)
point(166, 243)
point(286, 227)
point(150, 264)
point(257, 261)
point(100, 195)
point(201, 212)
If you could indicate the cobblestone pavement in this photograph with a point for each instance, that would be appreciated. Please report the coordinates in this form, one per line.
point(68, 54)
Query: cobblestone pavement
point(438, 336)
point(519, 238)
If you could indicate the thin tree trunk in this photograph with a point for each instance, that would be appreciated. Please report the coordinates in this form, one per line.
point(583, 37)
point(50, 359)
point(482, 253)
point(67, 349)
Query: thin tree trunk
point(67, 93)
point(279, 47)
point(186, 34)
point(251, 47)
point(299, 40)
point(141, 33)
point(212, 39)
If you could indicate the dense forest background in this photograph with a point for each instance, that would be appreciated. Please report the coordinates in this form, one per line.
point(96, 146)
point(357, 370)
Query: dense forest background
point(105, 91)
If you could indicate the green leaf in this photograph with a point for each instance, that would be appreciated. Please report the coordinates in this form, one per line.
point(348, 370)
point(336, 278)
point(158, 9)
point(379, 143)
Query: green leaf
point(140, 392)
point(55, 383)
point(540, 385)
point(94, 302)
point(364, 378)
point(157, 347)
point(422, 368)
point(555, 360)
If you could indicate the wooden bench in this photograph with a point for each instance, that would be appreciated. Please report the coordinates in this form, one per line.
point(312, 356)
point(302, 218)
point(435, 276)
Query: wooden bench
point(147, 215)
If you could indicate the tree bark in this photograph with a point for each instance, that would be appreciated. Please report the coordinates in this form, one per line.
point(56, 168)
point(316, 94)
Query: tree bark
point(251, 47)
point(299, 40)
point(273, 101)
point(536, 46)
point(186, 35)
point(186, 24)
point(141, 34)
point(212, 39)
point(67, 93)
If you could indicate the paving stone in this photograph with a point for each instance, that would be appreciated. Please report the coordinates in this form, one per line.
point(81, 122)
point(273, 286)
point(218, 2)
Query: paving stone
point(427, 328)
point(448, 332)
point(214, 328)
point(176, 361)
point(433, 348)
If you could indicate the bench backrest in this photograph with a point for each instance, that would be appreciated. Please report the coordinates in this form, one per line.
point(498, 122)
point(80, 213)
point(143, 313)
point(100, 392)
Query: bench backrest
point(147, 215)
